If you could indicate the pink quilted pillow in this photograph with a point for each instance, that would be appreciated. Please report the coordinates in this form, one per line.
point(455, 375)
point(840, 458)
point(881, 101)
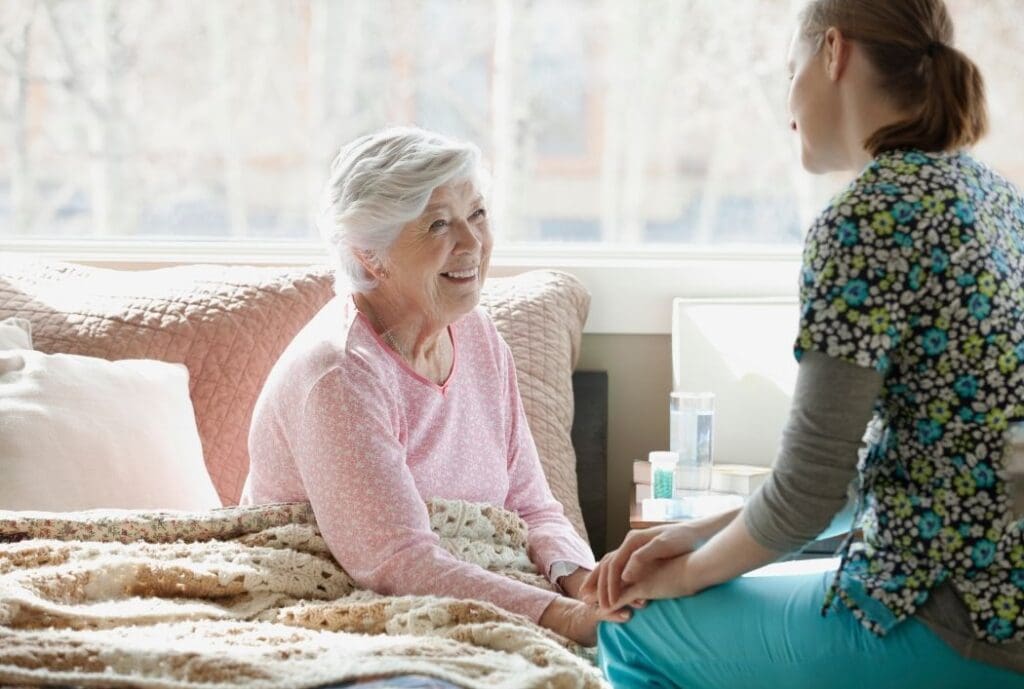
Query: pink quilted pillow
point(228, 325)
point(541, 315)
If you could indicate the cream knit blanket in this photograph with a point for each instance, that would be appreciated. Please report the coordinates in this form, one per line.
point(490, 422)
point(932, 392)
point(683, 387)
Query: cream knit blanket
point(251, 597)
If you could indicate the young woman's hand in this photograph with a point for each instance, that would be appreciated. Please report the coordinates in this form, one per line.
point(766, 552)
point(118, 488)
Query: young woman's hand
point(652, 572)
point(578, 621)
point(666, 578)
point(640, 552)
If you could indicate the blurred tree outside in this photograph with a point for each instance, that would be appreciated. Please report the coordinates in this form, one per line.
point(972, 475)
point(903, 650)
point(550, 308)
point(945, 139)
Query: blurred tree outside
point(618, 124)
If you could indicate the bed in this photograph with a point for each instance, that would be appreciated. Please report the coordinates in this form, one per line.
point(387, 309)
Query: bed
point(250, 596)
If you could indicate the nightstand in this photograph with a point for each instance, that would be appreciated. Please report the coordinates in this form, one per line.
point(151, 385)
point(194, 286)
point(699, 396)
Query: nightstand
point(635, 522)
point(703, 503)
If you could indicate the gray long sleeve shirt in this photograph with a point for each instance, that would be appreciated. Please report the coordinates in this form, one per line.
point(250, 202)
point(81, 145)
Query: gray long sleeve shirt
point(832, 405)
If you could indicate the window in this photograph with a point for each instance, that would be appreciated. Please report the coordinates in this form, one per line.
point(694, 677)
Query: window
point(615, 124)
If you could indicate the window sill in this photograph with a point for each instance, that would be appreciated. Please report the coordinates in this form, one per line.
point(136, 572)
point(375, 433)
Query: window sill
point(632, 289)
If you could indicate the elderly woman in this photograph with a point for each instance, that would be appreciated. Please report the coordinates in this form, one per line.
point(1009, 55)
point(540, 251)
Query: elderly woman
point(402, 390)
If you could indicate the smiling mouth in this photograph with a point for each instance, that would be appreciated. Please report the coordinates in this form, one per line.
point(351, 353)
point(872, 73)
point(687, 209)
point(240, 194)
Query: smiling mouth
point(461, 275)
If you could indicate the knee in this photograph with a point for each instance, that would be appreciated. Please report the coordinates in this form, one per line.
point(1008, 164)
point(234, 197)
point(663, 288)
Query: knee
point(631, 653)
point(613, 638)
point(621, 657)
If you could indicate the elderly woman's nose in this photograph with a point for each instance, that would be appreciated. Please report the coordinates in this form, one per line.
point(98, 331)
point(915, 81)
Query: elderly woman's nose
point(468, 239)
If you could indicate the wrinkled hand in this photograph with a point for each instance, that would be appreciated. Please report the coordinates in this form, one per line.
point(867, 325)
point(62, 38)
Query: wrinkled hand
point(572, 583)
point(641, 552)
point(578, 621)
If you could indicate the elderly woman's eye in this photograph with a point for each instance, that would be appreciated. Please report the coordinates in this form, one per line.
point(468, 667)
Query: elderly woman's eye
point(478, 213)
point(438, 225)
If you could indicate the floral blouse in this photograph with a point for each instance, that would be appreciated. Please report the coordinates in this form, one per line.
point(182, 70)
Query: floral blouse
point(917, 270)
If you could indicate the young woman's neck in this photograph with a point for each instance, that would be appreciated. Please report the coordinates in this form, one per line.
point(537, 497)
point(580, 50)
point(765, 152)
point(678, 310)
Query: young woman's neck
point(868, 112)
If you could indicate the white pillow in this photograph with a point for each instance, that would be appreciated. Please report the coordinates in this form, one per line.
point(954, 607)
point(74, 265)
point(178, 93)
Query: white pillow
point(15, 333)
point(79, 433)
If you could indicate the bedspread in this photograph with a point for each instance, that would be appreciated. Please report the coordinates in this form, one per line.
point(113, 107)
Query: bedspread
point(252, 597)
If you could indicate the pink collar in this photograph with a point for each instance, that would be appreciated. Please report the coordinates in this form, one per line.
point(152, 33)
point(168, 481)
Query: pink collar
point(402, 363)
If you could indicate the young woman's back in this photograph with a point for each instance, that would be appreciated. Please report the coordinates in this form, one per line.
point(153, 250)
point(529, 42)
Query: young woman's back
point(917, 271)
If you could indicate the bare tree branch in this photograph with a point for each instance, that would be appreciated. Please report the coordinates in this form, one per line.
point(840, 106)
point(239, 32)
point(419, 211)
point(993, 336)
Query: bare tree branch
point(75, 83)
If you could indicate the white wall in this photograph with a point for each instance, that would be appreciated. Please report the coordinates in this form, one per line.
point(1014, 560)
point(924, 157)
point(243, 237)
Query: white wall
point(639, 381)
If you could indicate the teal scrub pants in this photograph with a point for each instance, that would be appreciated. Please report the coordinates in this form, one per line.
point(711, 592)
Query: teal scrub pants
point(768, 632)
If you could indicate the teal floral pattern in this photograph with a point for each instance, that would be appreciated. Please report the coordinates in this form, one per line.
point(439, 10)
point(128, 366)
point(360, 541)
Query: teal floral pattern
point(917, 270)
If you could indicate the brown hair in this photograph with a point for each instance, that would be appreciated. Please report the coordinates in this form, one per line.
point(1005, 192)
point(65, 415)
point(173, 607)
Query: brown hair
point(910, 44)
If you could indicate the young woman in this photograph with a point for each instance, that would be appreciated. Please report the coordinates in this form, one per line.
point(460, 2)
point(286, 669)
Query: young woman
point(912, 298)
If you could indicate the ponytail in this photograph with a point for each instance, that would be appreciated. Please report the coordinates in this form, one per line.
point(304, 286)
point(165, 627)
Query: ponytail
point(953, 114)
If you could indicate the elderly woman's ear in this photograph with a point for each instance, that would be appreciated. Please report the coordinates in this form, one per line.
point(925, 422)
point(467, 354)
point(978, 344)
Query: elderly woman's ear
point(372, 262)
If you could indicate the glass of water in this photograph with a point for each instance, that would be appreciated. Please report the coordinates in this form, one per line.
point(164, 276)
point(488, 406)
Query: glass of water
point(691, 431)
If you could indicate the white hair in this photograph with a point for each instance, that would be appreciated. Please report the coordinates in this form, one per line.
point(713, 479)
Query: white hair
point(379, 183)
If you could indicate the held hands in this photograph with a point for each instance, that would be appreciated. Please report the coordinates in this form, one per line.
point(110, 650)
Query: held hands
point(650, 564)
point(577, 620)
point(574, 619)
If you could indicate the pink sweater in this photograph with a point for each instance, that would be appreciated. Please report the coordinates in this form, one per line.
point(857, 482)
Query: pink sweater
point(344, 423)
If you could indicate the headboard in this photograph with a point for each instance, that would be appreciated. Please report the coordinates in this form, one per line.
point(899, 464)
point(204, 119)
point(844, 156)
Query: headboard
point(590, 440)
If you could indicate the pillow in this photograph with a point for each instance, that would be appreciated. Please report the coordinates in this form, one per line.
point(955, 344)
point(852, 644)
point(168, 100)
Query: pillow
point(541, 315)
point(230, 324)
point(15, 333)
point(81, 433)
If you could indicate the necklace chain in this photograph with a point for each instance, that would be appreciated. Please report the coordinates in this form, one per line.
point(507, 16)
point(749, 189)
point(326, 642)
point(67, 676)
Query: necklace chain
point(385, 333)
point(392, 342)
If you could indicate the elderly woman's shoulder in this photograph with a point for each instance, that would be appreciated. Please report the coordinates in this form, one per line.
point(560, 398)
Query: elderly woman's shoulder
point(331, 341)
point(479, 322)
point(478, 327)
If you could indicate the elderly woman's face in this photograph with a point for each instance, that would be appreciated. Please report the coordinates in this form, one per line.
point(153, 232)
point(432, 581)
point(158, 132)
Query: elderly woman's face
point(440, 259)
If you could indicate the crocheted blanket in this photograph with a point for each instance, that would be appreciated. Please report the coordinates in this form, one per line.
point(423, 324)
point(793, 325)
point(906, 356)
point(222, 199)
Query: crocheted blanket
point(251, 597)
